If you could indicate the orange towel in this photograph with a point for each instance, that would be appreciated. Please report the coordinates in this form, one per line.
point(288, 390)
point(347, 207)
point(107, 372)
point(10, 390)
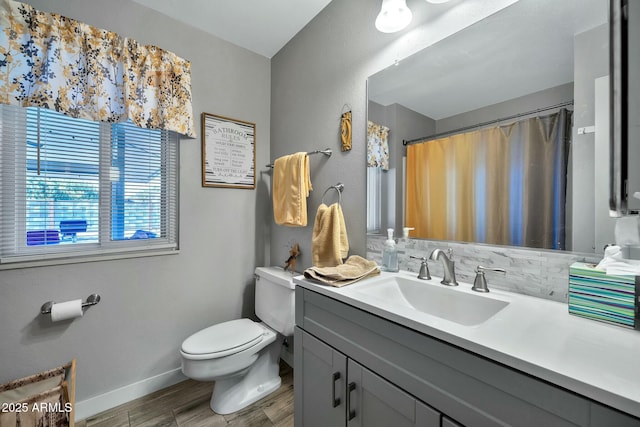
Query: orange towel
point(291, 186)
point(329, 242)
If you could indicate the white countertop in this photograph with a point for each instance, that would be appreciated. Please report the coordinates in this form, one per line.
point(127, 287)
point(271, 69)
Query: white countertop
point(534, 335)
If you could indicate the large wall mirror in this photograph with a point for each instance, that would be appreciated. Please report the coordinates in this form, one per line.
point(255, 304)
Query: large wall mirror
point(537, 67)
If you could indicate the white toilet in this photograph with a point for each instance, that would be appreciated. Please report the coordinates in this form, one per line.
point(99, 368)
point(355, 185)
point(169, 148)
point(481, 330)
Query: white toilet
point(242, 356)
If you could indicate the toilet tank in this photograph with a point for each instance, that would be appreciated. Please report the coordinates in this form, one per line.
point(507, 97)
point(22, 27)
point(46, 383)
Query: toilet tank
point(275, 299)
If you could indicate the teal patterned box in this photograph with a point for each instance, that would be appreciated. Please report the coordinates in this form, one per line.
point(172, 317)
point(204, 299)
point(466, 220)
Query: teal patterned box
point(595, 295)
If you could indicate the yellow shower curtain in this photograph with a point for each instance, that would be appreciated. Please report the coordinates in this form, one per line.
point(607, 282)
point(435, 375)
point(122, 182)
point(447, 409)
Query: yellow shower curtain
point(440, 188)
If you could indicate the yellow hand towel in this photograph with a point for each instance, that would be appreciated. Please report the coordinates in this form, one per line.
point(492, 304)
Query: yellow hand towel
point(354, 269)
point(329, 242)
point(291, 186)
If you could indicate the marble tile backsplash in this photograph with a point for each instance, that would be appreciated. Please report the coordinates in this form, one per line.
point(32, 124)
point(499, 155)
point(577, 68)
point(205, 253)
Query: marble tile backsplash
point(543, 274)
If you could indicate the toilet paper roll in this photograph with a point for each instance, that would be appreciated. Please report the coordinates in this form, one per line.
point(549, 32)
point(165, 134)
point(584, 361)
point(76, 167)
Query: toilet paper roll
point(66, 310)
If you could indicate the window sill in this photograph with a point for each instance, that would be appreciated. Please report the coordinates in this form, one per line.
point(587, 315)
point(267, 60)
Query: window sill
point(78, 259)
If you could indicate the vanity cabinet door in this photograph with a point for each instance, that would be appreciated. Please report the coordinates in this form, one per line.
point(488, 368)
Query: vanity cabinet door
point(374, 402)
point(320, 381)
point(332, 390)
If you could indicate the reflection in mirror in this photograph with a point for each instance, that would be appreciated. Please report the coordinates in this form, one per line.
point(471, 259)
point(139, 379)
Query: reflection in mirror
point(456, 102)
point(519, 170)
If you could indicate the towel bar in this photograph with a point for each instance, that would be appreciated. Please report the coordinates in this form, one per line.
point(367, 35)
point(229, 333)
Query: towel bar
point(327, 152)
point(93, 299)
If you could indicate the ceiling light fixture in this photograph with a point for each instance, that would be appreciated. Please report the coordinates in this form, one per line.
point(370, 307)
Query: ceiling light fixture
point(394, 16)
point(437, 1)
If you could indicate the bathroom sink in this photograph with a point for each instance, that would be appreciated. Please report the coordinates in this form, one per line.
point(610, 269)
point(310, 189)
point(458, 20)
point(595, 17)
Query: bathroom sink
point(434, 299)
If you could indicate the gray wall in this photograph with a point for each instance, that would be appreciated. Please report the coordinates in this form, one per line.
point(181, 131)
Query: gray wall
point(531, 102)
point(150, 305)
point(325, 67)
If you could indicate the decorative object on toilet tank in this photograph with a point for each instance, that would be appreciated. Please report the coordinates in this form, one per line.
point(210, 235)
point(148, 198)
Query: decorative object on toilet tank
point(290, 263)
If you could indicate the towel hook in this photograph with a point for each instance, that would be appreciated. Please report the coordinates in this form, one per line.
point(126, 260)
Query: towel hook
point(338, 187)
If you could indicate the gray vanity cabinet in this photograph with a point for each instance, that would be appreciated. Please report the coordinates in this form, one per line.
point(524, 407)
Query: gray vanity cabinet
point(333, 390)
point(404, 377)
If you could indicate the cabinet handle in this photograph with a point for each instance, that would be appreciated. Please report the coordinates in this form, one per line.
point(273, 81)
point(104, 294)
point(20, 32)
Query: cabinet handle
point(352, 413)
point(336, 401)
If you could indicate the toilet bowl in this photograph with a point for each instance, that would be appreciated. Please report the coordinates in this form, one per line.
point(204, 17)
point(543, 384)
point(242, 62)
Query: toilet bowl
point(242, 356)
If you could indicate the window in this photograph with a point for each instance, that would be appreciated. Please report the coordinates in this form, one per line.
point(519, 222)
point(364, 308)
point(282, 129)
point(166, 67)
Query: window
point(374, 199)
point(73, 187)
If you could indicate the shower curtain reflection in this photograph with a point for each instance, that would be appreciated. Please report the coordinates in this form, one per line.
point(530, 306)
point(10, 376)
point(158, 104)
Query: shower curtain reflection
point(503, 185)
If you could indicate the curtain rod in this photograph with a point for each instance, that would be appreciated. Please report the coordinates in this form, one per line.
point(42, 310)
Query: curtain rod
point(479, 125)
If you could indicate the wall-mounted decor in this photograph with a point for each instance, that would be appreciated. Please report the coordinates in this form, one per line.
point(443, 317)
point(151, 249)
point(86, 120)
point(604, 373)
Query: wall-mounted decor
point(228, 152)
point(345, 131)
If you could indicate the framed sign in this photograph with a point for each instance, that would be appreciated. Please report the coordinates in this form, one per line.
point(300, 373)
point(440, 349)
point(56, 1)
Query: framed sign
point(228, 152)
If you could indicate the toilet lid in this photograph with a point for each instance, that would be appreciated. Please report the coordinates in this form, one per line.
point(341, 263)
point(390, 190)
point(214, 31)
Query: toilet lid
point(224, 338)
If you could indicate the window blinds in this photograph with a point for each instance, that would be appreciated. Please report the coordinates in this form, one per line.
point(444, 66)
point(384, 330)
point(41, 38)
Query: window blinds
point(77, 187)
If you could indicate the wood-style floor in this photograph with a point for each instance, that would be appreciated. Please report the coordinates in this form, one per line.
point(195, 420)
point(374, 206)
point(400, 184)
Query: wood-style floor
point(187, 404)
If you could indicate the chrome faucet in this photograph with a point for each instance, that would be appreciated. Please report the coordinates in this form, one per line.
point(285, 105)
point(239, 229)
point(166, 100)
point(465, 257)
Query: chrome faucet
point(424, 268)
point(449, 278)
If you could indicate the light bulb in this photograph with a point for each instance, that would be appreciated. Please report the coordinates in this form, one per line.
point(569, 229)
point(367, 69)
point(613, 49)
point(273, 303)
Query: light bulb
point(394, 16)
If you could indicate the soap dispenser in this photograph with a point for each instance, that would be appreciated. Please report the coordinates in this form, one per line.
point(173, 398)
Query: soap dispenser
point(406, 230)
point(390, 254)
point(405, 233)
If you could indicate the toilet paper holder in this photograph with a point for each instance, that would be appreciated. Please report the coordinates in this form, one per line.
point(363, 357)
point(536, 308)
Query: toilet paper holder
point(93, 299)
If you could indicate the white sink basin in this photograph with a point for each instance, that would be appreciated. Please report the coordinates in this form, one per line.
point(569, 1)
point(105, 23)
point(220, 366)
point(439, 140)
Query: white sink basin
point(434, 299)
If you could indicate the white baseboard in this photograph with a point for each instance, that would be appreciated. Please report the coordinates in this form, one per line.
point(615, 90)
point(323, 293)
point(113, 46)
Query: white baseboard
point(97, 404)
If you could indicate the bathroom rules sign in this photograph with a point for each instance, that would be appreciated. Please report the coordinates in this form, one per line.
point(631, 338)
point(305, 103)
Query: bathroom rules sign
point(228, 152)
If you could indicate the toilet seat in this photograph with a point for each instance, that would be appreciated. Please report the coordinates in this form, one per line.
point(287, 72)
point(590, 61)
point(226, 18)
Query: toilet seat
point(222, 339)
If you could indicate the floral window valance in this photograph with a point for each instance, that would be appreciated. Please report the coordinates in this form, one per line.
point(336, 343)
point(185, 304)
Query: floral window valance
point(51, 61)
point(377, 146)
